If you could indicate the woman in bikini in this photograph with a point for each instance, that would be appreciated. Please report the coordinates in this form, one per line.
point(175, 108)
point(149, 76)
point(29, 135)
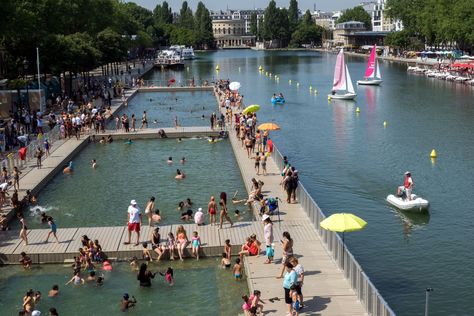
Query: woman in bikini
point(224, 213)
point(149, 209)
point(212, 210)
point(24, 229)
point(181, 241)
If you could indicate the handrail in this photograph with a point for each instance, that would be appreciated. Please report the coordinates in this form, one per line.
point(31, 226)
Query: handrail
point(365, 290)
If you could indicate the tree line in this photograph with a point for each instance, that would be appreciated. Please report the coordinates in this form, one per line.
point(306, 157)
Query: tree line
point(80, 35)
point(437, 23)
point(283, 27)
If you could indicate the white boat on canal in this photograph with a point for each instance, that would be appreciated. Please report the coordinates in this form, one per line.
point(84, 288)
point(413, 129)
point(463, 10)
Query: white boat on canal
point(416, 203)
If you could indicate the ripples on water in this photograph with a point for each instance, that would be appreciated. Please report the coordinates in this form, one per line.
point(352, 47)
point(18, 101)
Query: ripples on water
point(351, 162)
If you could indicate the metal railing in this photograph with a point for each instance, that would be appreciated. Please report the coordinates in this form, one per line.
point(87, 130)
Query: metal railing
point(365, 290)
point(13, 159)
point(182, 82)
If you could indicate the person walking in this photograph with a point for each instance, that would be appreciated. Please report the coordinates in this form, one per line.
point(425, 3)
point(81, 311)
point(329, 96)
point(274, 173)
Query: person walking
point(134, 221)
point(290, 279)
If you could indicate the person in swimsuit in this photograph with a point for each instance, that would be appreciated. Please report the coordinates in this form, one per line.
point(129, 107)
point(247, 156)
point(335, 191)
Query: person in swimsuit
point(195, 244)
point(181, 241)
point(225, 262)
point(212, 210)
point(76, 279)
point(24, 229)
point(53, 230)
point(28, 302)
point(16, 178)
point(145, 276)
point(126, 302)
point(223, 212)
point(169, 276)
point(54, 291)
point(248, 145)
point(144, 120)
point(179, 175)
point(169, 161)
point(146, 254)
point(287, 247)
point(228, 248)
point(264, 165)
point(93, 163)
point(237, 269)
point(155, 243)
point(149, 210)
point(257, 163)
point(171, 243)
point(25, 260)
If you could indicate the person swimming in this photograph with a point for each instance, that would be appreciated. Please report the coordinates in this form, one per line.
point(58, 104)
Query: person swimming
point(170, 160)
point(93, 163)
point(68, 169)
point(183, 160)
point(129, 142)
point(179, 175)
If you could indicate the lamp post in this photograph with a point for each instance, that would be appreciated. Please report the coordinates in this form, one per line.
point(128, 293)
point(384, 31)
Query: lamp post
point(25, 75)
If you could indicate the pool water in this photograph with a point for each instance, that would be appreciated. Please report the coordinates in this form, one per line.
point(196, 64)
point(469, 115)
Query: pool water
point(191, 108)
point(100, 196)
point(201, 288)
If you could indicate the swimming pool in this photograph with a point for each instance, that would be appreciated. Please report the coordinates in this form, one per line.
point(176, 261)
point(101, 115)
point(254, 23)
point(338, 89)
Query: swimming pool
point(192, 108)
point(100, 196)
point(201, 288)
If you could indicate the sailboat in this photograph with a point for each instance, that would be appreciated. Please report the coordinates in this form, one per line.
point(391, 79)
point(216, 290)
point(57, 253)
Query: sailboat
point(372, 72)
point(342, 88)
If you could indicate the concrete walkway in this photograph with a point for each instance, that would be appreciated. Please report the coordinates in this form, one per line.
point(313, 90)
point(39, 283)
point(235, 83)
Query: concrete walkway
point(326, 291)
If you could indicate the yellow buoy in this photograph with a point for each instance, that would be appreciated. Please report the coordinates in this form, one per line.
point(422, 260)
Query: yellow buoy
point(329, 98)
point(357, 110)
point(297, 84)
point(217, 67)
point(433, 154)
point(315, 91)
point(260, 68)
point(310, 88)
point(384, 123)
point(289, 81)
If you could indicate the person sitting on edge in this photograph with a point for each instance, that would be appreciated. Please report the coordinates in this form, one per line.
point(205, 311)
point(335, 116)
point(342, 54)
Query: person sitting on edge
point(404, 191)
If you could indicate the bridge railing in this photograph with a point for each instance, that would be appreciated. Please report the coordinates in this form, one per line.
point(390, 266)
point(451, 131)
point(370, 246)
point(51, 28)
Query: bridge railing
point(365, 290)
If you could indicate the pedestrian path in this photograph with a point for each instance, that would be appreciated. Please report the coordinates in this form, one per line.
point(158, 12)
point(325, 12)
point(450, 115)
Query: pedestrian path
point(326, 291)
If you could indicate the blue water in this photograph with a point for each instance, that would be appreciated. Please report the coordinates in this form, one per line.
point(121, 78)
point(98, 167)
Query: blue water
point(350, 162)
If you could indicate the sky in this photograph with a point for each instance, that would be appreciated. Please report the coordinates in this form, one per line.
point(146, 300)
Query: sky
point(324, 5)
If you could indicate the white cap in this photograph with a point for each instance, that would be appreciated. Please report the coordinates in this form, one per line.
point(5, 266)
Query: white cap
point(133, 202)
point(265, 217)
point(36, 313)
point(200, 209)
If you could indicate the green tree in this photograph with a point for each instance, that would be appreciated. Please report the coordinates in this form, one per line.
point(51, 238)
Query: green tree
point(270, 21)
point(186, 18)
point(203, 26)
point(356, 14)
point(307, 32)
point(162, 14)
point(293, 15)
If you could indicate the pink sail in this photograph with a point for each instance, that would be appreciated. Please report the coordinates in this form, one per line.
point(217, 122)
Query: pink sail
point(369, 71)
point(339, 82)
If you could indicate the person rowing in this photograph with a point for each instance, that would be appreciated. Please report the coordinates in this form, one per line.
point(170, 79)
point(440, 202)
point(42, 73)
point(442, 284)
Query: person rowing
point(404, 191)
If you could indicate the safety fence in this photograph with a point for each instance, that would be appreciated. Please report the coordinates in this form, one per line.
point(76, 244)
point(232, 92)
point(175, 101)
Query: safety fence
point(182, 82)
point(366, 292)
point(13, 158)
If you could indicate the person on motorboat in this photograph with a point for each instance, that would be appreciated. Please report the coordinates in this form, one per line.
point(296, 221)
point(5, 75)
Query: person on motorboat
point(404, 191)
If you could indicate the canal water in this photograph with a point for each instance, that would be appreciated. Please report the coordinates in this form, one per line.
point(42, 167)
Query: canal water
point(201, 288)
point(349, 162)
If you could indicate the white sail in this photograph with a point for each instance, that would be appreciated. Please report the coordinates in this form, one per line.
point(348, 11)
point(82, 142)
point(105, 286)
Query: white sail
point(378, 74)
point(350, 87)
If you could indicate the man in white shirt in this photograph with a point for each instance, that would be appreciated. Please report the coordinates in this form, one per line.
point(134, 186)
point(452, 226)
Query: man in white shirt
point(134, 221)
point(199, 217)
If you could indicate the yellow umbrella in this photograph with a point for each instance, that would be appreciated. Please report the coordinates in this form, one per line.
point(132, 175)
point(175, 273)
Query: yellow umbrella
point(342, 223)
point(268, 127)
point(251, 109)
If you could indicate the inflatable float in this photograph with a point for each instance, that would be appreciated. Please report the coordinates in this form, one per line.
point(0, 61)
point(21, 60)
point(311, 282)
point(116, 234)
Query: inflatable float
point(415, 204)
point(277, 99)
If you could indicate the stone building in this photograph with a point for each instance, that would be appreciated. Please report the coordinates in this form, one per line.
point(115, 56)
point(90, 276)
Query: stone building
point(231, 28)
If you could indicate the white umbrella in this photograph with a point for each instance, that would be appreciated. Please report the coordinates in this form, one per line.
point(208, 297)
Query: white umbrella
point(234, 85)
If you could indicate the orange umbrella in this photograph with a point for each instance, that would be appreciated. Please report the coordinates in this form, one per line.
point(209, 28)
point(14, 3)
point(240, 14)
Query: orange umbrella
point(269, 127)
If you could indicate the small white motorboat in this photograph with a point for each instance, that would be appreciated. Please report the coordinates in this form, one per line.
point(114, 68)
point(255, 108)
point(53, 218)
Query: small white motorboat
point(415, 204)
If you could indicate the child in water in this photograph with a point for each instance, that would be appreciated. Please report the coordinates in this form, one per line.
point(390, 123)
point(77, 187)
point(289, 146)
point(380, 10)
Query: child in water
point(146, 252)
point(168, 276)
point(196, 244)
point(225, 262)
point(237, 270)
